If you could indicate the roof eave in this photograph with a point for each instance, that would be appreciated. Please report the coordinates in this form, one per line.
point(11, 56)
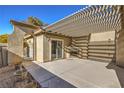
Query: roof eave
point(13, 22)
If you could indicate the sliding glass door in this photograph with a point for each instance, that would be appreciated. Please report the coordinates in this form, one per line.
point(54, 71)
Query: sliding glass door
point(56, 49)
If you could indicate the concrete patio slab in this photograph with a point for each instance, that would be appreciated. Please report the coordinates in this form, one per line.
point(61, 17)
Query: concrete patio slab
point(86, 73)
point(45, 78)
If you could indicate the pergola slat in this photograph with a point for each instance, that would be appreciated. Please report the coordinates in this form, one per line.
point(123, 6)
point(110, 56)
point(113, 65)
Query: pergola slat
point(92, 19)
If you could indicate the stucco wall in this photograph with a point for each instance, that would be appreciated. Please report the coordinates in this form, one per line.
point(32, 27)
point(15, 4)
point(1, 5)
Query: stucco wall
point(39, 49)
point(43, 46)
point(120, 43)
point(104, 36)
point(120, 48)
point(46, 50)
point(15, 46)
point(43, 43)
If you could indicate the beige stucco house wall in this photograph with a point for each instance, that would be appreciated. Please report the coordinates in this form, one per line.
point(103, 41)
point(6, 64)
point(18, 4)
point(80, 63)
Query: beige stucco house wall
point(120, 42)
point(39, 48)
point(43, 43)
point(43, 46)
point(120, 48)
point(103, 36)
point(15, 46)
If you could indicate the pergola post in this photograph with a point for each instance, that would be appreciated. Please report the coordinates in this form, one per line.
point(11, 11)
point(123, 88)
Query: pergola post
point(34, 48)
point(120, 41)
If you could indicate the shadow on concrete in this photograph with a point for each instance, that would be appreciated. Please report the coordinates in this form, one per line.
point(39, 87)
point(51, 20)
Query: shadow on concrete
point(45, 78)
point(119, 71)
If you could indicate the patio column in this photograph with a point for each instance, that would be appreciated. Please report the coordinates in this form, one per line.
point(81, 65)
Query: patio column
point(120, 41)
point(34, 48)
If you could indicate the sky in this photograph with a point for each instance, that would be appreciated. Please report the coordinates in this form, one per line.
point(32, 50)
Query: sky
point(48, 14)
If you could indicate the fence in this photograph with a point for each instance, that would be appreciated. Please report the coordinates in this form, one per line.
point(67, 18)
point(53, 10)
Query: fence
point(3, 55)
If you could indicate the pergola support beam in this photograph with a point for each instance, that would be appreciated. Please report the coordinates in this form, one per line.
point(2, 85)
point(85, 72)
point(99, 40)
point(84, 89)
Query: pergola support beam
point(120, 41)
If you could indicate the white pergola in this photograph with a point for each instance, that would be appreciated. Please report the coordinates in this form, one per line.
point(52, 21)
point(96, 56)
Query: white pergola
point(92, 19)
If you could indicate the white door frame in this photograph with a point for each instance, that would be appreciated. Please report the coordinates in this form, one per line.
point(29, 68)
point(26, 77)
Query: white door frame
point(50, 46)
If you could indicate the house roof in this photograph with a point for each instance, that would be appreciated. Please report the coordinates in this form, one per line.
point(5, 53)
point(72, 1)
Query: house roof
point(92, 19)
point(24, 24)
point(31, 29)
point(26, 27)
